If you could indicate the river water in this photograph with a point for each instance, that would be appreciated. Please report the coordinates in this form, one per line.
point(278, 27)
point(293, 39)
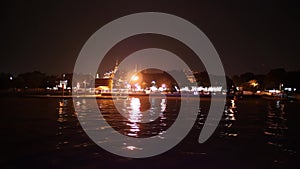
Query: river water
point(45, 133)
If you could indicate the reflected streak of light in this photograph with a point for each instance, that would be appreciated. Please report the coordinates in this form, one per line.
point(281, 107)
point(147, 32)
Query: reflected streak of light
point(133, 148)
point(163, 105)
point(135, 114)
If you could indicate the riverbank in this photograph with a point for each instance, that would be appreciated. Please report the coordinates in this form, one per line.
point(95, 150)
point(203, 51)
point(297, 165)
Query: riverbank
point(125, 95)
point(118, 96)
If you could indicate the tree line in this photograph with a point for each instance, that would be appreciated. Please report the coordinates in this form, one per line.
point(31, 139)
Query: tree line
point(274, 79)
point(35, 79)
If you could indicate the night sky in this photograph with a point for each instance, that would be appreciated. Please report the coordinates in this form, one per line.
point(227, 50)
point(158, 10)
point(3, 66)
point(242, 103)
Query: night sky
point(250, 36)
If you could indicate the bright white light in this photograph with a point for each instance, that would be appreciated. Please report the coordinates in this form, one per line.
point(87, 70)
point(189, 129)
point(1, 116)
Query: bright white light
point(206, 89)
point(185, 89)
point(153, 88)
point(274, 91)
point(288, 89)
point(138, 87)
point(134, 78)
point(163, 105)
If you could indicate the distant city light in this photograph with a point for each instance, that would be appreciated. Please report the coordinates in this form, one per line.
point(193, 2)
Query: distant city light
point(153, 88)
point(274, 91)
point(253, 83)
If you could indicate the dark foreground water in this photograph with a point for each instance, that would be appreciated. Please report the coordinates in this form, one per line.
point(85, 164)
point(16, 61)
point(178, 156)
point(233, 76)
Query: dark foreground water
point(40, 133)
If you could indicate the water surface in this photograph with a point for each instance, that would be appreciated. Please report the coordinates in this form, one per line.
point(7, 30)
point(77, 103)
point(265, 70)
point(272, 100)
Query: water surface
point(42, 133)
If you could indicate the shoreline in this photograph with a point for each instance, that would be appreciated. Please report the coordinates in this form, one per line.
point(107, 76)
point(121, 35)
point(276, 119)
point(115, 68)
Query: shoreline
point(124, 96)
point(110, 96)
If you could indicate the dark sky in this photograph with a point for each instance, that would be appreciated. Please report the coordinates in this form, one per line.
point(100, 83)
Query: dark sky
point(250, 36)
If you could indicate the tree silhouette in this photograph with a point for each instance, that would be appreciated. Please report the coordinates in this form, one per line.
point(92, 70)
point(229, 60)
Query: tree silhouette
point(275, 78)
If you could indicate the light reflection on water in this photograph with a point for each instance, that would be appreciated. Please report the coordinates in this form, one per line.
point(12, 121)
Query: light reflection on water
point(226, 125)
point(161, 113)
point(42, 133)
point(69, 126)
point(277, 128)
point(150, 116)
point(62, 118)
point(140, 116)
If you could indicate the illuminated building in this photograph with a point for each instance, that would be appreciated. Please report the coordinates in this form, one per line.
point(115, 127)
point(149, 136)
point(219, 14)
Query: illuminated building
point(105, 83)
